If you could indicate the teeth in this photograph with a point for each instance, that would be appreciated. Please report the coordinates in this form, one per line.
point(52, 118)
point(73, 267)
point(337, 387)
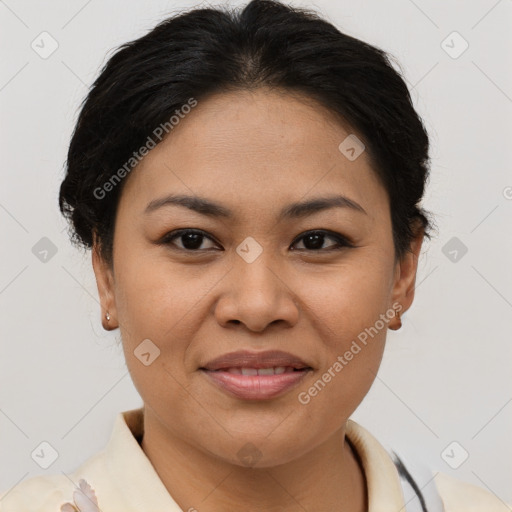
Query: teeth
point(278, 370)
point(249, 371)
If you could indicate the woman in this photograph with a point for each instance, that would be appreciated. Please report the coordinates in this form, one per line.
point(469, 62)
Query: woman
point(250, 186)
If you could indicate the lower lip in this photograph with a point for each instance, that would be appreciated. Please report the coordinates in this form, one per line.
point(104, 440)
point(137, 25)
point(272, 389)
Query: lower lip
point(256, 387)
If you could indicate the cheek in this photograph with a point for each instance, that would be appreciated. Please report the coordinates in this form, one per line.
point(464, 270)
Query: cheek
point(160, 299)
point(348, 298)
point(152, 302)
point(144, 283)
point(347, 309)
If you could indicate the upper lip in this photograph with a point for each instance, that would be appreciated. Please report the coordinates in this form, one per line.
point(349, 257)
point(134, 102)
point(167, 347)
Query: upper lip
point(247, 359)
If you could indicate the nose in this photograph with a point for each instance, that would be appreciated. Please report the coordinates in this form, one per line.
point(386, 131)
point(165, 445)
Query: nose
point(257, 295)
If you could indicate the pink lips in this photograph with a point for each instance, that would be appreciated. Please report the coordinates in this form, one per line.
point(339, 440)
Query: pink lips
point(256, 375)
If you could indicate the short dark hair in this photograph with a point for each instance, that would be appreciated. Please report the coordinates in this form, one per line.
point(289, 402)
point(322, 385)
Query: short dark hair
point(266, 44)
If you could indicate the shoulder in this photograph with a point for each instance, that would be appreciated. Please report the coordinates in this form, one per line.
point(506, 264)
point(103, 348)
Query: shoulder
point(459, 496)
point(37, 494)
point(401, 476)
point(447, 494)
point(47, 493)
point(437, 491)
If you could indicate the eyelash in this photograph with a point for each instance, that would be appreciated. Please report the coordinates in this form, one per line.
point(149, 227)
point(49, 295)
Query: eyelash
point(342, 242)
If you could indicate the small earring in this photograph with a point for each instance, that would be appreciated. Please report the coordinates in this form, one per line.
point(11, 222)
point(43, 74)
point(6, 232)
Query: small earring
point(107, 316)
point(397, 316)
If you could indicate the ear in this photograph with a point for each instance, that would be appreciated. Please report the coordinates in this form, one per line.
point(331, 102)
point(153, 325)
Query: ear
point(405, 274)
point(105, 283)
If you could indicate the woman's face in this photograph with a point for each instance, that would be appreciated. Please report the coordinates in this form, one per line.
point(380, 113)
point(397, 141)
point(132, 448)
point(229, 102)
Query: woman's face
point(255, 279)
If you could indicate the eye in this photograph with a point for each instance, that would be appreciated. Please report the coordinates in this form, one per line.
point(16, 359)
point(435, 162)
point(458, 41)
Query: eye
point(314, 240)
point(192, 239)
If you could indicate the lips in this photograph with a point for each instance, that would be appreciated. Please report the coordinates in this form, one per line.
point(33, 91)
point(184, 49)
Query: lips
point(277, 370)
point(256, 375)
point(256, 360)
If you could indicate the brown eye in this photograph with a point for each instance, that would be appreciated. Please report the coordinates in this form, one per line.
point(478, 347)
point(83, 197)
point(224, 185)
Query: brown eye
point(191, 239)
point(314, 241)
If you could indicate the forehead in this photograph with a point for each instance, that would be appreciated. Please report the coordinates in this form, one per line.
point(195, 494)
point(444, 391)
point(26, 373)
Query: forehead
point(257, 147)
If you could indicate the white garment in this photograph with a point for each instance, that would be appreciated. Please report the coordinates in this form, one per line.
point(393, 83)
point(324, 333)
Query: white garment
point(124, 480)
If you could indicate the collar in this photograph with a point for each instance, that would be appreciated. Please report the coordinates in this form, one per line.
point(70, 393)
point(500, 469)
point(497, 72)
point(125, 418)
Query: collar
point(141, 488)
point(382, 478)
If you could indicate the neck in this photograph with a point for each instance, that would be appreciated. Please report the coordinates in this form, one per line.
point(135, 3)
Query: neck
point(330, 477)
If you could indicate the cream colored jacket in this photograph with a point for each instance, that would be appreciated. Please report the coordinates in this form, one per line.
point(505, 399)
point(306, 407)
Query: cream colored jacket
point(124, 480)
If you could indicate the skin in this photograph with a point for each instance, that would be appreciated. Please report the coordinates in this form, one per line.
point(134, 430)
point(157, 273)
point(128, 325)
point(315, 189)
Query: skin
point(254, 153)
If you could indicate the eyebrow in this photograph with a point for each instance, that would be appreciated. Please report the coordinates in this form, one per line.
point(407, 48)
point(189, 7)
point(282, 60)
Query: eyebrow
point(291, 211)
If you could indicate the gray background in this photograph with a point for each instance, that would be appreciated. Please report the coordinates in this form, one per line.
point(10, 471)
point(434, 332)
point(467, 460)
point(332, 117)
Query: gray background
point(445, 375)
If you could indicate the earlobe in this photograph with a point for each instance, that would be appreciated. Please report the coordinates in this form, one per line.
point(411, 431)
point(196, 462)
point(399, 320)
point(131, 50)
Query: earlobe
point(397, 324)
point(105, 285)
